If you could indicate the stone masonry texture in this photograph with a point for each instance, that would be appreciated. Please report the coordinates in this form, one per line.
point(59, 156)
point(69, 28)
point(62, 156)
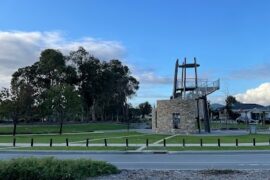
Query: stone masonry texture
point(162, 116)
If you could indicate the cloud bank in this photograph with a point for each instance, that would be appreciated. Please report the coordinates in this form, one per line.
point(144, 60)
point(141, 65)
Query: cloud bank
point(260, 71)
point(259, 95)
point(149, 77)
point(19, 49)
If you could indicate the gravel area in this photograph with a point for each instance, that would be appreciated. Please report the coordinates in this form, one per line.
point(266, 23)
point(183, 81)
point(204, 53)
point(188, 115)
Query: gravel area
point(188, 175)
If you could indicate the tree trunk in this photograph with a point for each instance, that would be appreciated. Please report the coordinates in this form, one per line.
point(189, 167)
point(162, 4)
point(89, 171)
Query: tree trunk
point(117, 116)
point(14, 126)
point(82, 117)
point(93, 111)
point(61, 124)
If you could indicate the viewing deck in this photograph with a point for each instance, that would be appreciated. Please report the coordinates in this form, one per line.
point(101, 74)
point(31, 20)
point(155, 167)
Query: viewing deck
point(203, 87)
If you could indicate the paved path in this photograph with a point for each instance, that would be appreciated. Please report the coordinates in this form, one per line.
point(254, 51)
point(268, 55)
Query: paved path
point(155, 143)
point(183, 160)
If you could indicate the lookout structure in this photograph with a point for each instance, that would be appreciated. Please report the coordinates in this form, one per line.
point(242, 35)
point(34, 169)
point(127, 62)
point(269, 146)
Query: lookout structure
point(188, 105)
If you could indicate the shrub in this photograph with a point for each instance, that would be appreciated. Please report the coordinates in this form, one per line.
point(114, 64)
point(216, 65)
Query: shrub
point(53, 169)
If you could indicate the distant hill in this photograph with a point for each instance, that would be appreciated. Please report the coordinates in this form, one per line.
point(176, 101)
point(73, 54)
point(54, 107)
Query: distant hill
point(216, 106)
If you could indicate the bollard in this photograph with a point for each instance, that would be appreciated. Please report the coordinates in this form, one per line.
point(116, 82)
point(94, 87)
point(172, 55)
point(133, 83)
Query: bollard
point(32, 142)
point(87, 142)
point(147, 143)
point(218, 142)
point(201, 142)
point(269, 141)
point(50, 142)
point(67, 141)
point(164, 142)
point(236, 142)
point(254, 142)
point(105, 142)
point(14, 142)
point(184, 142)
point(127, 142)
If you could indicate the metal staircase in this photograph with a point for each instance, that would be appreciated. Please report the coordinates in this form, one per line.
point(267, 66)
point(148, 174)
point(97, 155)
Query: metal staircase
point(204, 88)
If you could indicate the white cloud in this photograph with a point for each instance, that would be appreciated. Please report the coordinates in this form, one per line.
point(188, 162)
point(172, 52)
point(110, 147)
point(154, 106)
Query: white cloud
point(18, 49)
point(220, 99)
point(149, 77)
point(259, 95)
point(257, 71)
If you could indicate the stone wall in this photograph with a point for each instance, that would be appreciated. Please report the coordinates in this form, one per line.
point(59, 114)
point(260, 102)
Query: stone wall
point(162, 116)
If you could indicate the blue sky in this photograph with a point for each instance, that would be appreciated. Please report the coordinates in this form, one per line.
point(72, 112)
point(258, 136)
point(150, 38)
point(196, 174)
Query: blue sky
point(231, 39)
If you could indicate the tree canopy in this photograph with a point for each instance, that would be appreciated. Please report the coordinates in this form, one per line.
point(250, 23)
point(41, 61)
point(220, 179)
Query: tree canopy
point(77, 86)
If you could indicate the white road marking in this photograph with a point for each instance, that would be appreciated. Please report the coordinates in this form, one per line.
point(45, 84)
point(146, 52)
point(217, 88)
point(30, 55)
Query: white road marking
point(155, 143)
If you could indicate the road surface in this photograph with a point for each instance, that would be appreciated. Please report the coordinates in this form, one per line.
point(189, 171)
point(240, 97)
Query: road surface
point(183, 161)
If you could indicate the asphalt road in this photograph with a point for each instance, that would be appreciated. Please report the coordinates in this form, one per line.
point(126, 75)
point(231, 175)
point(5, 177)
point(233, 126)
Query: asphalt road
point(183, 161)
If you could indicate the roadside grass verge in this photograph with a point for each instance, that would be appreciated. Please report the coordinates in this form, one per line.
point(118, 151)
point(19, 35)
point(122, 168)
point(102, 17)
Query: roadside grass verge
point(111, 137)
point(234, 125)
point(76, 148)
point(191, 139)
point(67, 128)
point(50, 168)
point(210, 148)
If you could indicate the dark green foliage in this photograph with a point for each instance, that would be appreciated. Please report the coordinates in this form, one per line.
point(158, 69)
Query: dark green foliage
point(53, 169)
point(145, 108)
point(60, 88)
point(230, 101)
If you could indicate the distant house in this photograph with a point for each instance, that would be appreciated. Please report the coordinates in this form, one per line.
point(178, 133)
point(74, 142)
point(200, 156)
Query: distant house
point(247, 111)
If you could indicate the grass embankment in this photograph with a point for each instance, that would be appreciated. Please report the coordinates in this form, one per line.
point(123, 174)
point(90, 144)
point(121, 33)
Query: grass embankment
point(210, 148)
point(76, 148)
point(133, 138)
point(50, 168)
point(191, 139)
point(67, 128)
point(112, 137)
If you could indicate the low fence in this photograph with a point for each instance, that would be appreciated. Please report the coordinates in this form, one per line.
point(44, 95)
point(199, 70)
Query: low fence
point(126, 143)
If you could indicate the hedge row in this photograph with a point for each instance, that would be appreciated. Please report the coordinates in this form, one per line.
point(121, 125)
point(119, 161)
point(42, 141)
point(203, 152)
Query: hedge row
point(53, 169)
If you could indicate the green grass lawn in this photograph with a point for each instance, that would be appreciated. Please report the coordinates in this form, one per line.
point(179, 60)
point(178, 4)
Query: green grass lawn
point(233, 125)
point(62, 138)
point(112, 148)
point(68, 128)
point(209, 148)
point(191, 139)
point(112, 137)
point(108, 148)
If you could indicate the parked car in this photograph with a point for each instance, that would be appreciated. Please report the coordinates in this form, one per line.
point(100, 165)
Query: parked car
point(267, 121)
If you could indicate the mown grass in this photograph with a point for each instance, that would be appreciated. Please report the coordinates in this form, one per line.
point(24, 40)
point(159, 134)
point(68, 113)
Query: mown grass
point(76, 148)
point(191, 139)
point(67, 128)
point(210, 148)
point(112, 137)
point(62, 138)
point(50, 169)
point(133, 138)
point(234, 125)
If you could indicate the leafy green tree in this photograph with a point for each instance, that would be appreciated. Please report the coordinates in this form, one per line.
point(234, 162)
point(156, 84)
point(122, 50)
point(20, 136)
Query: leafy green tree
point(145, 108)
point(51, 68)
point(123, 86)
point(64, 102)
point(230, 101)
point(16, 104)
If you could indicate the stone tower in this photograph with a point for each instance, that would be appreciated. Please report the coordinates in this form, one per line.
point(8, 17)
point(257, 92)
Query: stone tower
point(188, 104)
